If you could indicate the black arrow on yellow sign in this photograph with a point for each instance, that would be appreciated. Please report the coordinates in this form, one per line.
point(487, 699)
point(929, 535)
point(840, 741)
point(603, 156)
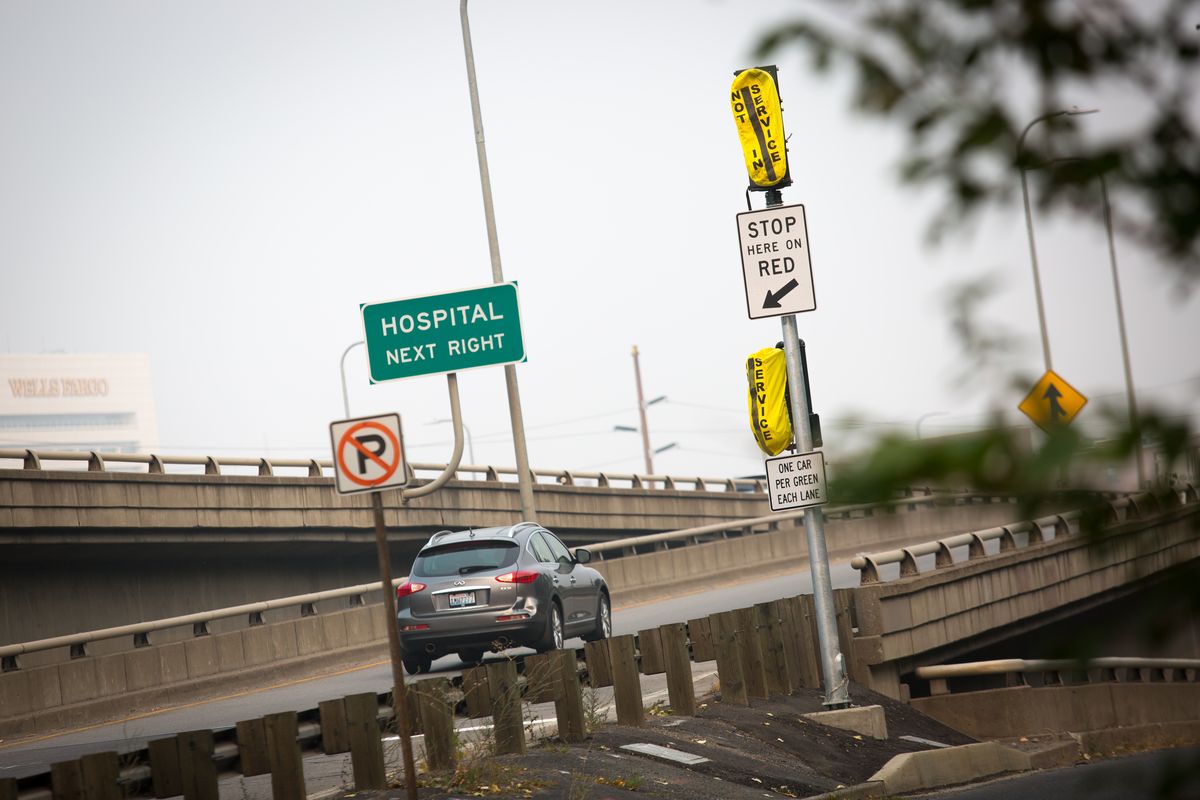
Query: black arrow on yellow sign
point(1056, 410)
point(772, 299)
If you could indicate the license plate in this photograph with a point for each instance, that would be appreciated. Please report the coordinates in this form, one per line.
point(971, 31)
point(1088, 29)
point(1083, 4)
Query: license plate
point(460, 599)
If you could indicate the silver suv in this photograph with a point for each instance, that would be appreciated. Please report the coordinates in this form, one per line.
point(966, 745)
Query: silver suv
point(494, 588)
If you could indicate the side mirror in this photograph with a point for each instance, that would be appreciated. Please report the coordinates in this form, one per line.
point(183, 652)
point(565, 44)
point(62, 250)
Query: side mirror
point(582, 555)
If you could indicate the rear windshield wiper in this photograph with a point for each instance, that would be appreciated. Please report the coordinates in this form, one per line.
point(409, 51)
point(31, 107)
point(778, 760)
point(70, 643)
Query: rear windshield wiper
point(474, 568)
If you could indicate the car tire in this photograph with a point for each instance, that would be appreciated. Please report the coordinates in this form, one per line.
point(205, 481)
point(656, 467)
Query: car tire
point(471, 658)
point(603, 627)
point(416, 663)
point(552, 639)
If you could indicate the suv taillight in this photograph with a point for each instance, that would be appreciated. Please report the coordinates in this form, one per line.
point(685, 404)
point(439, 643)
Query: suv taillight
point(407, 588)
point(520, 576)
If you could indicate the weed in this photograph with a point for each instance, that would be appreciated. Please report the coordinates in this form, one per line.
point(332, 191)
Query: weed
point(594, 715)
point(631, 782)
point(660, 708)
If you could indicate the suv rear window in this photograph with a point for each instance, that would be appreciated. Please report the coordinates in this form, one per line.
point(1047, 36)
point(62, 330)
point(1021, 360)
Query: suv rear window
point(464, 558)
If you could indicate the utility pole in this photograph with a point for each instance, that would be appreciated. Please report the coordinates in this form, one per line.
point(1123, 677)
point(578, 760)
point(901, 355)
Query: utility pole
point(637, 372)
point(524, 473)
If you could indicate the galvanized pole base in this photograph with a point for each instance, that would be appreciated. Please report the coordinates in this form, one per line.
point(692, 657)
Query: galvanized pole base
point(399, 692)
point(833, 664)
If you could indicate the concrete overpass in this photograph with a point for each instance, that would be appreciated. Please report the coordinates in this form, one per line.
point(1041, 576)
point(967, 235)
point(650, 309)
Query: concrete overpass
point(946, 604)
point(126, 538)
point(1018, 579)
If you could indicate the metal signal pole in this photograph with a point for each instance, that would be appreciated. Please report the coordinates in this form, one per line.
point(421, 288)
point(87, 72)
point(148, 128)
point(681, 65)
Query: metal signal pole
point(833, 663)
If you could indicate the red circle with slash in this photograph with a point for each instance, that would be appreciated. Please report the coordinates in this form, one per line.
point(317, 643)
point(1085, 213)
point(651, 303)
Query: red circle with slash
point(348, 439)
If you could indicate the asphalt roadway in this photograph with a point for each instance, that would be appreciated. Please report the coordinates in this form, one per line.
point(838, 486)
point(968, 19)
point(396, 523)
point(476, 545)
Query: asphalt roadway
point(1157, 775)
point(32, 755)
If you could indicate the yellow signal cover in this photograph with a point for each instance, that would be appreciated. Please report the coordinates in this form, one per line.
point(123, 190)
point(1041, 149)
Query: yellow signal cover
point(770, 418)
point(759, 119)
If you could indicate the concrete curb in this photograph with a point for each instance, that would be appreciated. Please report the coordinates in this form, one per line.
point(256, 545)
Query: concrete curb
point(930, 769)
point(859, 791)
point(1150, 736)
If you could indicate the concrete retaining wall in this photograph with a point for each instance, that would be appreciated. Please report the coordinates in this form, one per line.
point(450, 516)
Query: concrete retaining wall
point(83, 690)
point(1026, 710)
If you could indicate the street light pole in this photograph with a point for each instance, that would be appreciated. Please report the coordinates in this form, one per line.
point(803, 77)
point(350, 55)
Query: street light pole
point(345, 394)
point(470, 440)
point(524, 474)
point(926, 416)
point(1037, 278)
point(1135, 427)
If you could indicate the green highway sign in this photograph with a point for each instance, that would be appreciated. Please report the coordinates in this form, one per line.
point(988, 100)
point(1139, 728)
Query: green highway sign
point(441, 333)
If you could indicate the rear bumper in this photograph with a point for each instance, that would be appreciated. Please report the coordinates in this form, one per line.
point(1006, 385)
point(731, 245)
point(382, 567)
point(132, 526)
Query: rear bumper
point(473, 630)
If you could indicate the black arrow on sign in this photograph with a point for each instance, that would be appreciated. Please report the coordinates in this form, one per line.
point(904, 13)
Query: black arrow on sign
point(773, 298)
point(1052, 394)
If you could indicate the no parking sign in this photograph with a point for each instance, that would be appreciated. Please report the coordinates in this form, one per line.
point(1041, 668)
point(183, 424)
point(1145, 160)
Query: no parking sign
point(368, 454)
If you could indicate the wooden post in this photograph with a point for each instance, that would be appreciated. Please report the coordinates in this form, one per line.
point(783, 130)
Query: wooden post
point(806, 619)
point(771, 638)
point(650, 646)
point(363, 740)
point(414, 718)
point(252, 747)
point(100, 772)
point(335, 738)
point(539, 678)
point(164, 767)
point(627, 684)
point(437, 717)
point(506, 707)
point(752, 654)
point(789, 633)
point(700, 635)
point(598, 665)
point(197, 770)
point(475, 692)
point(680, 690)
point(843, 605)
point(569, 705)
point(283, 749)
point(66, 781)
point(729, 661)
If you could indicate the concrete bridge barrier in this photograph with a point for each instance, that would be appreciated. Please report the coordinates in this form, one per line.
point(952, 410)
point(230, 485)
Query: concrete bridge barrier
point(935, 616)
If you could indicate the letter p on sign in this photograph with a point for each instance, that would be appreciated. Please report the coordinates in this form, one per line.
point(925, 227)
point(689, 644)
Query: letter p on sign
point(368, 454)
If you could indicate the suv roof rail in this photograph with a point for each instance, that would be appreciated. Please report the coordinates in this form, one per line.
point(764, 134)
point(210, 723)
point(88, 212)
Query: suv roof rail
point(512, 532)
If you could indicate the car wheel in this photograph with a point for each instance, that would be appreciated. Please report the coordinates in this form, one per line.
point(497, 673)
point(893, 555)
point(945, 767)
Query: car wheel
point(603, 628)
point(471, 658)
point(553, 637)
point(416, 664)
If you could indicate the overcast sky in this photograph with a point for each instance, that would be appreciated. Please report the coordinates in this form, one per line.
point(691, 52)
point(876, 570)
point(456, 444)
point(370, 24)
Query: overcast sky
point(221, 184)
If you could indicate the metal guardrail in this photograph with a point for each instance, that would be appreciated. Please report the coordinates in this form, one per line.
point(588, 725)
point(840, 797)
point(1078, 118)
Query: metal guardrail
point(319, 468)
point(198, 620)
point(1056, 672)
point(1005, 666)
point(1132, 505)
point(833, 512)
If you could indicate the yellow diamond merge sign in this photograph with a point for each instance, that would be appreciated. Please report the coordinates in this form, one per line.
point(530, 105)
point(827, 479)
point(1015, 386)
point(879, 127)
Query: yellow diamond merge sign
point(1053, 403)
point(758, 115)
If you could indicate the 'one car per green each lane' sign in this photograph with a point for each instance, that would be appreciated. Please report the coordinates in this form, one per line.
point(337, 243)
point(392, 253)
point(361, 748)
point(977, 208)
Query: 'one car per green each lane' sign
point(441, 333)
